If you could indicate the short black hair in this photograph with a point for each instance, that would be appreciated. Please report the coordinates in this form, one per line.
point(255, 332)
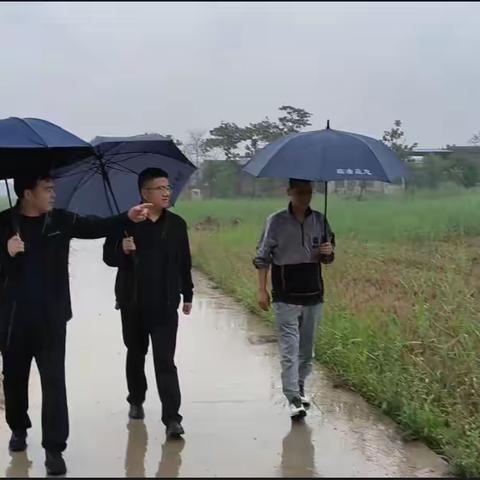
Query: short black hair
point(293, 182)
point(28, 182)
point(150, 174)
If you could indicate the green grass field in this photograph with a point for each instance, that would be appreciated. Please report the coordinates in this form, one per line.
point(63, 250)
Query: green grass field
point(402, 312)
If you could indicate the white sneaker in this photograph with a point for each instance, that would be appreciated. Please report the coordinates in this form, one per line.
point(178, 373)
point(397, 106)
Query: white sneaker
point(305, 401)
point(297, 410)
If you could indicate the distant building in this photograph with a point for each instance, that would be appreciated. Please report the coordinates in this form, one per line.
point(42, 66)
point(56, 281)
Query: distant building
point(418, 154)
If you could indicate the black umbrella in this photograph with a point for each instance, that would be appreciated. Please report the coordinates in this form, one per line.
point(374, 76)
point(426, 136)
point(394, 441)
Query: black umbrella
point(106, 182)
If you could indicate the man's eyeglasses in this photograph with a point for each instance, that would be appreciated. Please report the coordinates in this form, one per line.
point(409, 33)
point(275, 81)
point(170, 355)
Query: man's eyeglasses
point(162, 189)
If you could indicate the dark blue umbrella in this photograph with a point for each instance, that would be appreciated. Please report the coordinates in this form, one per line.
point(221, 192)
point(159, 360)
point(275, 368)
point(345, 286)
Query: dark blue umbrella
point(106, 183)
point(35, 146)
point(327, 155)
point(32, 145)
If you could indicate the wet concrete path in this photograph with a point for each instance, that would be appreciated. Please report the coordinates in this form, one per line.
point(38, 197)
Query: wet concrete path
point(235, 415)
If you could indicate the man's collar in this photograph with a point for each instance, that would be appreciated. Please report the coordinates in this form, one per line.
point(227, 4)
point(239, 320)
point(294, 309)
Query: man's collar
point(308, 212)
point(162, 216)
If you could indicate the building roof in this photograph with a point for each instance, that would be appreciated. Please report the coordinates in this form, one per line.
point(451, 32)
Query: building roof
point(430, 151)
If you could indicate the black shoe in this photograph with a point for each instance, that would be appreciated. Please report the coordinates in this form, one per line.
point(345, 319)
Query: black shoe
point(136, 412)
point(55, 463)
point(174, 430)
point(18, 441)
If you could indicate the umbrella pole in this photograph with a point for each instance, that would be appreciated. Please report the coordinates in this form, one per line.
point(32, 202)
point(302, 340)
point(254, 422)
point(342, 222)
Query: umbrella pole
point(325, 236)
point(14, 218)
point(106, 180)
point(8, 193)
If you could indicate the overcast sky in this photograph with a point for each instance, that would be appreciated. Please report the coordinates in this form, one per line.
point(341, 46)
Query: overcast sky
point(129, 68)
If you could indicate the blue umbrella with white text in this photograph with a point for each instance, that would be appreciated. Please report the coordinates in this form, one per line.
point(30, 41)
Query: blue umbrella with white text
point(327, 155)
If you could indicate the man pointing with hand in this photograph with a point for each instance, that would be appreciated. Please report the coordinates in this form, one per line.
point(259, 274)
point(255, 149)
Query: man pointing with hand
point(154, 271)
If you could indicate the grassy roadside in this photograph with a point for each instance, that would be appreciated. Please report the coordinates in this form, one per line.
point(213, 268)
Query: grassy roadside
point(402, 307)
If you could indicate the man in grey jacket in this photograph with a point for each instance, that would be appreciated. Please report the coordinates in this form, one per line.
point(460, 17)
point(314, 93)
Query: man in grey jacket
point(294, 244)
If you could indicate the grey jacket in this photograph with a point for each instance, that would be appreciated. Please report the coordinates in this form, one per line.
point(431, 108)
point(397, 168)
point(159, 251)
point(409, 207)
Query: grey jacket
point(287, 245)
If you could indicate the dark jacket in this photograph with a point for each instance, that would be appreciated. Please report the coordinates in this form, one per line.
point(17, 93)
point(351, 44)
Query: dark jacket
point(60, 227)
point(287, 246)
point(169, 284)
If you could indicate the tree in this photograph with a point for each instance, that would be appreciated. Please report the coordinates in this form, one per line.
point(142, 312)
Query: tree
point(465, 171)
point(227, 137)
point(475, 139)
point(395, 139)
point(234, 140)
point(257, 135)
point(195, 146)
point(294, 120)
point(261, 133)
point(220, 178)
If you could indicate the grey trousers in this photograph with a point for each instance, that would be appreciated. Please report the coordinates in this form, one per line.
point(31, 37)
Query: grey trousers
point(296, 326)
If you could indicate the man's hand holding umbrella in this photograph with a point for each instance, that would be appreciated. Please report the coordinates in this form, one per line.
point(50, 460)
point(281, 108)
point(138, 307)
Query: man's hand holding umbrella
point(325, 250)
point(15, 246)
point(128, 245)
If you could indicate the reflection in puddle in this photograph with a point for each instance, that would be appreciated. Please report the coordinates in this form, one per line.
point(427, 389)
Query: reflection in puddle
point(298, 452)
point(171, 461)
point(19, 466)
point(136, 449)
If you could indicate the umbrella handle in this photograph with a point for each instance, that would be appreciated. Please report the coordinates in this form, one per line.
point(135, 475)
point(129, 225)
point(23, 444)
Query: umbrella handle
point(135, 271)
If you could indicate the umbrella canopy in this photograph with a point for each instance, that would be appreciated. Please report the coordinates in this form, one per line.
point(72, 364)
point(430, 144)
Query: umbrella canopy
point(327, 155)
point(33, 145)
point(106, 183)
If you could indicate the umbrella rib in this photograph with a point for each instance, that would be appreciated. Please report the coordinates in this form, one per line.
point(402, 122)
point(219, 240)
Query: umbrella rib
point(42, 142)
point(185, 159)
point(84, 180)
point(106, 190)
point(373, 153)
point(123, 170)
point(119, 162)
point(72, 174)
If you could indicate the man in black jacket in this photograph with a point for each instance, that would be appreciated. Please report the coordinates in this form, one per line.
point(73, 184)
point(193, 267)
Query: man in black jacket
point(35, 306)
point(154, 269)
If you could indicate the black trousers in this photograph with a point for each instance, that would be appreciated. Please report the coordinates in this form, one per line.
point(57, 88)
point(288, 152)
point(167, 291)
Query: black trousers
point(138, 327)
point(36, 336)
